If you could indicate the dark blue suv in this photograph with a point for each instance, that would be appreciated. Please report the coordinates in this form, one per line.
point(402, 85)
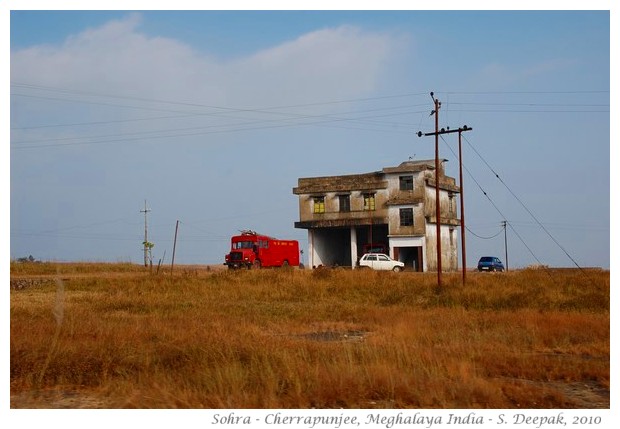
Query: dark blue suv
point(490, 263)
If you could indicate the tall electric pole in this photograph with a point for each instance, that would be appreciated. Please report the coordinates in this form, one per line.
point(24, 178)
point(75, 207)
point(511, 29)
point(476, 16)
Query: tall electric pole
point(437, 133)
point(463, 256)
point(437, 202)
point(146, 236)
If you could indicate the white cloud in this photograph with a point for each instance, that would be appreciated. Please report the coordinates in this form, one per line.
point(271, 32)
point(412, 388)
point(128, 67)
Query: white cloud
point(325, 64)
point(117, 59)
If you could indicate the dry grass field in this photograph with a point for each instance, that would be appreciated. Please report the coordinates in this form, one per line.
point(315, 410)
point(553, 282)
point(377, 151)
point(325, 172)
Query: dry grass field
point(119, 336)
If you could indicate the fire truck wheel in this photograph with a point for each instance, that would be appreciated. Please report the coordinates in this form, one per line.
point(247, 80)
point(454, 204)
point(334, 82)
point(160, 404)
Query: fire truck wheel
point(285, 264)
point(257, 264)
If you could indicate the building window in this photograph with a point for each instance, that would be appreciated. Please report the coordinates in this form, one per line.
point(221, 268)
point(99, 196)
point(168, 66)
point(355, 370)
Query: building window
point(369, 202)
point(405, 183)
point(406, 217)
point(345, 203)
point(319, 205)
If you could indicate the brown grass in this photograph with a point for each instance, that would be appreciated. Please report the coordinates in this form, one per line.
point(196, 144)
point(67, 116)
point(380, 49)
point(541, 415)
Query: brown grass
point(301, 339)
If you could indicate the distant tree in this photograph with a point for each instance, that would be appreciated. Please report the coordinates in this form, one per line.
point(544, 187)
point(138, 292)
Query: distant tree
point(149, 246)
point(30, 258)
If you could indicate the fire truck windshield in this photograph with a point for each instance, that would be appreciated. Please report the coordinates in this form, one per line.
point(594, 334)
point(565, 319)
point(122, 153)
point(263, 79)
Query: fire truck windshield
point(243, 245)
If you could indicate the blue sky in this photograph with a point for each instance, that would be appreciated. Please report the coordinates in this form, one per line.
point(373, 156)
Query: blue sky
point(212, 116)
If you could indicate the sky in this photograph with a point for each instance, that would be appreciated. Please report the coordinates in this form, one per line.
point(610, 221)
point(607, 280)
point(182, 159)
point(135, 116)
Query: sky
point(210, 117)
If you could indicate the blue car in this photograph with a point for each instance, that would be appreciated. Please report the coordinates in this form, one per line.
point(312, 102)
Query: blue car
point(490, 263)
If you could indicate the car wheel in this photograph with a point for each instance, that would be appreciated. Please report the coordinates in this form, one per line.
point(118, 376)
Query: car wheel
point(397, 269)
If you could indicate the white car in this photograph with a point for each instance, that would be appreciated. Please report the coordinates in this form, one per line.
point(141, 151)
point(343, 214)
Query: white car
point(380, 261)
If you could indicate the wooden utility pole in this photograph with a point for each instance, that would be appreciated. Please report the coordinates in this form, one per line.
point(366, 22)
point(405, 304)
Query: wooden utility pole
point(174, 246)
point(463, 256)
point(437, 202)
point(505, 243)
point(437, 133)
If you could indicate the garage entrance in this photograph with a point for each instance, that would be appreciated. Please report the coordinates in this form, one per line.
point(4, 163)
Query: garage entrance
point(410, 251)
point(410, 256)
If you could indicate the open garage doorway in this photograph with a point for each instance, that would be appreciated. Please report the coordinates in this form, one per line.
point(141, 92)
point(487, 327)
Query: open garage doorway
point(410, 250)
point(411, 257)
point(330, 247)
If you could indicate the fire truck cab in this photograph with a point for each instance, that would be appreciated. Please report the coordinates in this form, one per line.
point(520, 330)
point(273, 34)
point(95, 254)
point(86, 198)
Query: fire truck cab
point(253, 250)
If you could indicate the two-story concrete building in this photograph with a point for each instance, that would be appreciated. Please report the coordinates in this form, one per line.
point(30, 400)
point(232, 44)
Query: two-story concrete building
point(393, 208)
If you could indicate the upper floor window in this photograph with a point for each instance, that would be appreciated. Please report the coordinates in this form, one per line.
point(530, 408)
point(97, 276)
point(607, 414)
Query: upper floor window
point(319, 205)
point(405, 183)
point(406, 217)
point(345, 203)
point(369, 201)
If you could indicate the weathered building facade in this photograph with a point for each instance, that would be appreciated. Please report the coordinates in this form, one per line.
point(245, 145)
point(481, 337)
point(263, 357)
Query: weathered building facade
point(393, 208)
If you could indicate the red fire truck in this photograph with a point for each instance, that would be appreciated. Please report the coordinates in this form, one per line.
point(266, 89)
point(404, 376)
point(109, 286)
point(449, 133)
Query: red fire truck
point(253, 250)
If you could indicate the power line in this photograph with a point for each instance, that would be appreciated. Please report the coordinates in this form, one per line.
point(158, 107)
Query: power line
point(481, 237)
point(352, 100)
point(527, 92)
point(530, 104)
point(531, 214)
point(288, 116)
point(87, 236)
point(527, 111)
point(235, 128)
point(78, 124)
point(327, 118)
point(497, 208)
point(266, 110)
point(269, 110)
point(90, 225)
point(564, 226)
point(273, 109)
point(524, 206)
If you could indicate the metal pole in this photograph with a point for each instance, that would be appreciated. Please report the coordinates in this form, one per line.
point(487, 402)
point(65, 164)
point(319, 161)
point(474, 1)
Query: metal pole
point(174, 246)
point(146, 237)
point(437, 202)
point(463, 256)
